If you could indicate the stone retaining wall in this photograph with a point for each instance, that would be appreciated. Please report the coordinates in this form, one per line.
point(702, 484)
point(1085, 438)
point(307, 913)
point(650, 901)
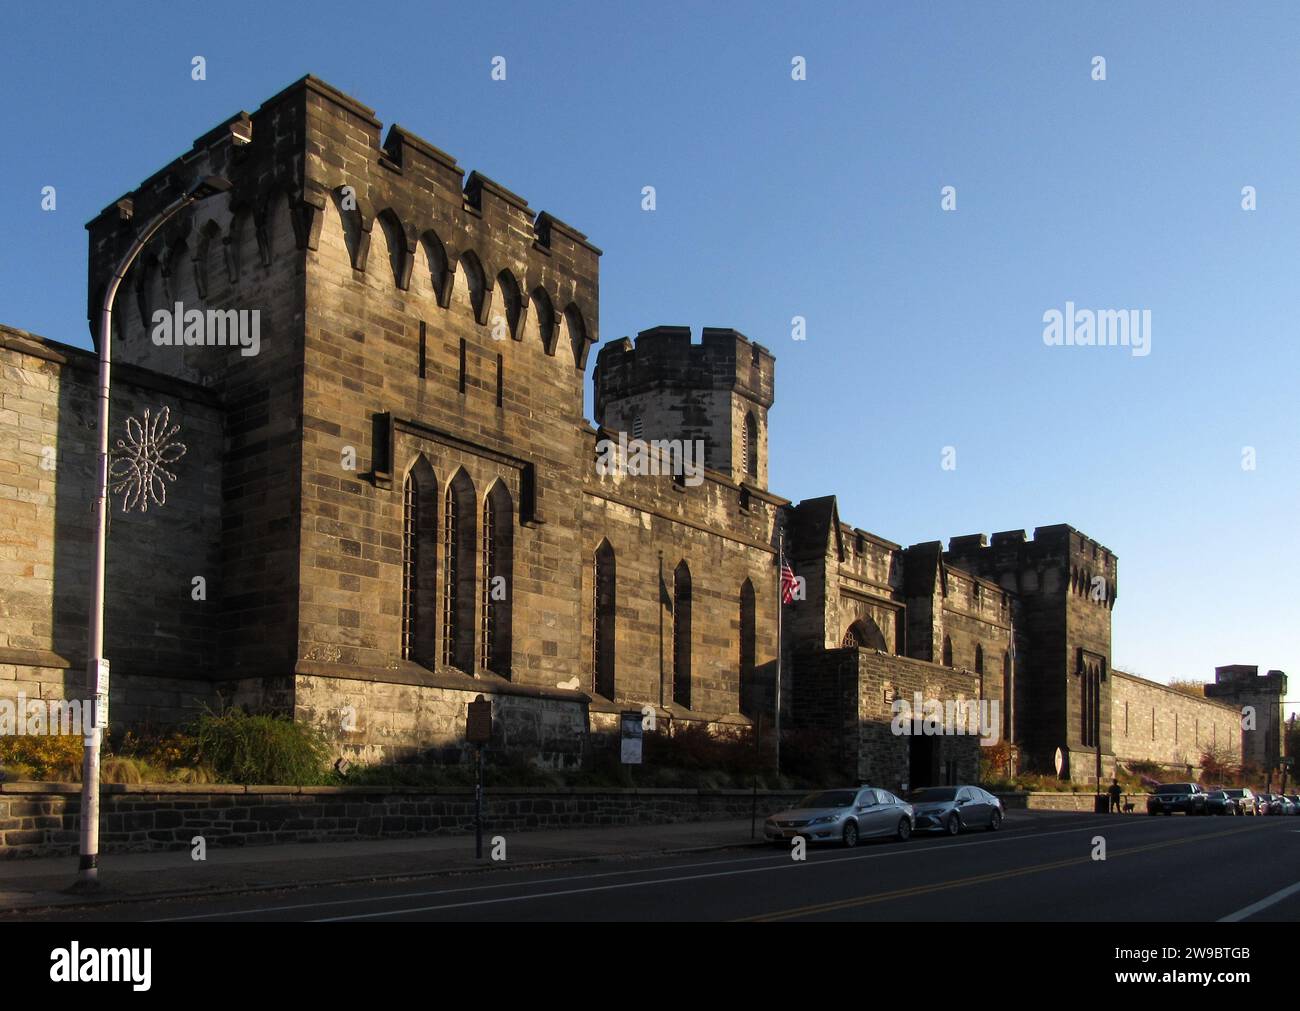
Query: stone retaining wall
point(42, 819)
point(1048, 801)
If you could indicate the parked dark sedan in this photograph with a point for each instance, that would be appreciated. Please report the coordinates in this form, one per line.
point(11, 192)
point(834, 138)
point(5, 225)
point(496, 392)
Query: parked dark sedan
point(953, 808)
point(1222, 802)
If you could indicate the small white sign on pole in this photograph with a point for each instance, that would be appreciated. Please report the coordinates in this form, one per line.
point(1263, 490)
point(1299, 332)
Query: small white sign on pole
point(101, 696)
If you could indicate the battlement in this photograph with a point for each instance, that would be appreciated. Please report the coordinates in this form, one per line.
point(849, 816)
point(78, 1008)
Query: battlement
point(1248, 677)
point(1089, 569)
point(319, 150)
point(1060, 540)
point(665, 357)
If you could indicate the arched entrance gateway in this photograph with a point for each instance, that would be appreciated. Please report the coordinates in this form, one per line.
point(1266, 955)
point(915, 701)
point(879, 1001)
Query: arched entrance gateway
point(865, 634)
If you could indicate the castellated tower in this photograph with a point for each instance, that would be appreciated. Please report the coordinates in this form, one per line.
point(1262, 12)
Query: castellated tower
point(718, 391)
point(400, 471)
point(1066, 584)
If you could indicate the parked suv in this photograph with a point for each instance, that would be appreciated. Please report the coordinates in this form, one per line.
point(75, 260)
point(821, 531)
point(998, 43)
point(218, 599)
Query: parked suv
point(1170, 797)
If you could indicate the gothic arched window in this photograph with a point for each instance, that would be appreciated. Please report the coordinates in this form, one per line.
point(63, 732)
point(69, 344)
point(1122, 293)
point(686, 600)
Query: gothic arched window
point(682, 636)
point(749, 443)
point(458, 538)
point(603, 613)
point(419, 562)
point(1008, 689)
point(498, 567)
point(748, 648)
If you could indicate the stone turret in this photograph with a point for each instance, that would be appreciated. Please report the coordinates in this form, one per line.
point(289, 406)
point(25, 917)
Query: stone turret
point(719, 391)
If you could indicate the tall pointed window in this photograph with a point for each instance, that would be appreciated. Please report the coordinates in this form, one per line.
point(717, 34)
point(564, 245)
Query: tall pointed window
point(749, 446)
point(682, 636)
point(498, 564)
point(947, 651)
point(749, 701)
point(419, 558)
point(410, 566)
point(1008, 690)
point(459, 535)
point(979, 659)
point(603, 621)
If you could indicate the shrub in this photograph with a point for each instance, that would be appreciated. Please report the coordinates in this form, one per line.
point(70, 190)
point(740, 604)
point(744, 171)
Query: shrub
point(998, 763)
point(44, 756)
point(812, 758)
point(261, 749)
point(1218, 766)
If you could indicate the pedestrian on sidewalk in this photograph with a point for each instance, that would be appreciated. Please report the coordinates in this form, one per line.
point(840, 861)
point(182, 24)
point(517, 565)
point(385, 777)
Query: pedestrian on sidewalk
point(1116, 794)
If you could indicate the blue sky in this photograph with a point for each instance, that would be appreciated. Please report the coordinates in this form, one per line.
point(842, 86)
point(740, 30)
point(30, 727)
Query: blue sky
point(821, 198)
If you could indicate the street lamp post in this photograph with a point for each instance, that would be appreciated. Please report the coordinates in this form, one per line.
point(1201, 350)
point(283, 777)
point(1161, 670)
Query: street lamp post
point(97, 668)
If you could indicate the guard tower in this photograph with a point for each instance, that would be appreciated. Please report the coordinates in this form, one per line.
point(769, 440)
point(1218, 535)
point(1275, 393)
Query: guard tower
point(718, 391)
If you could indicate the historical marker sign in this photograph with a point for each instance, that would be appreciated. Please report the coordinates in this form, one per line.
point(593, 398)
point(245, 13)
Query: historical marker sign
point(631, 736)
point(478, 725)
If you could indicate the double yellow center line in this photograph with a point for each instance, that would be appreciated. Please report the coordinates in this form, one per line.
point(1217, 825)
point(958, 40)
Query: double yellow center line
point(978, 879)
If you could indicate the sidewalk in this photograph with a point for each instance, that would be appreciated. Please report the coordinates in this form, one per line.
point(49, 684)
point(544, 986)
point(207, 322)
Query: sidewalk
point(25, 884)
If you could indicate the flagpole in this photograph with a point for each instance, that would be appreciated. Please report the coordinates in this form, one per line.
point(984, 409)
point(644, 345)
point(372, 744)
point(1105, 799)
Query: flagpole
point(780, 607)
point(662, 701)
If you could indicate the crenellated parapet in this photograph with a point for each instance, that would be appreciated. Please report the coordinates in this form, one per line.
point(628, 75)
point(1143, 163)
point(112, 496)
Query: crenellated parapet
point(1080, 565)
point(311, 153)
point(724, 359)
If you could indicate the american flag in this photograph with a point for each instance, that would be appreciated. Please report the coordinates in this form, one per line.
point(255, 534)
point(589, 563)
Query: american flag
point(788, 582)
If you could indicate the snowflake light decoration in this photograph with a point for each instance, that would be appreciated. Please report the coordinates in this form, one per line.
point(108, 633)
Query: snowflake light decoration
point(140, 464)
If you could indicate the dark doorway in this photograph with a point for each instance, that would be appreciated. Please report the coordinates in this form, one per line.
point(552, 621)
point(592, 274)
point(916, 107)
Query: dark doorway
point(922, 761)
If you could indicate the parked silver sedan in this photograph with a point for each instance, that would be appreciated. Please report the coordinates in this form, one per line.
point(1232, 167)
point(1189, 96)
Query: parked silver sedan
point(843, 816)
point(1247, 801)
point(953, 808)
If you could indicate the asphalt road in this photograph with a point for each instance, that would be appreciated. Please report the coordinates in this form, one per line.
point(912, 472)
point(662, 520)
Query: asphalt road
point(1156, 869)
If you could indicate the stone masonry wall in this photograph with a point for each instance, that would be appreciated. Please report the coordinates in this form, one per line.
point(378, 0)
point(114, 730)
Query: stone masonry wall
point(884, 758)
point(42, 819)
point(1154, 723)
point(380, 720)
point(653, 525)
point(848, 695)
point(161, 641)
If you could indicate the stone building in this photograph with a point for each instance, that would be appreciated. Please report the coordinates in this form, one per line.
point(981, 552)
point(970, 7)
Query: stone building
point(397, 504)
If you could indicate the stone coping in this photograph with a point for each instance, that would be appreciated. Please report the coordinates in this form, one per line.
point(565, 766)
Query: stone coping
point(533, 791)
point(326, 791)
point(235, 788)
point(1062, 793)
